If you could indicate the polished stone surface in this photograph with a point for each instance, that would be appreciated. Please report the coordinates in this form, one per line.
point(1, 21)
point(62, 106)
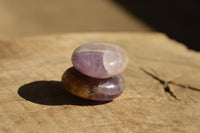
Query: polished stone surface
point(91, 88)
point(100, 59)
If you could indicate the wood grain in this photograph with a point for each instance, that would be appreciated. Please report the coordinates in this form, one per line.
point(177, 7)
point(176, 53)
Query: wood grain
point(162, 91)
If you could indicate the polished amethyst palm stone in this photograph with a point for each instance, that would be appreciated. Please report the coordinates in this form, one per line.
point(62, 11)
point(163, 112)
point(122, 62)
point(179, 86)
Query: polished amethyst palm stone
point(92, 88)
point(100, 59)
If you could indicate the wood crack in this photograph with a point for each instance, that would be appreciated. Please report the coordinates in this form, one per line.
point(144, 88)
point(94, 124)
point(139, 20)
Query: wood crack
point(185, 86)
point(163, 82)
point(166, 84)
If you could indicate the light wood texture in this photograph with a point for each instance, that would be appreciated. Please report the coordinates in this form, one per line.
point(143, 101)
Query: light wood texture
point(162, 91)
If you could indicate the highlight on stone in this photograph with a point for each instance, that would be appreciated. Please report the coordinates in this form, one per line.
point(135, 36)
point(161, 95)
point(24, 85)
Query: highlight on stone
point(95, 75)
point(100, 59)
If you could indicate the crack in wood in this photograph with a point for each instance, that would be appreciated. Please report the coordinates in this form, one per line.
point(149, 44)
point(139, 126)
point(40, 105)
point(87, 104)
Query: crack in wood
point(163, 82)
point(185, 86)
point(166, 83)
point(168, 90)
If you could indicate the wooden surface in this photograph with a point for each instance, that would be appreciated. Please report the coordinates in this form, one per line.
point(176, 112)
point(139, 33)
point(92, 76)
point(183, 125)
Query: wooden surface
point(162, 91)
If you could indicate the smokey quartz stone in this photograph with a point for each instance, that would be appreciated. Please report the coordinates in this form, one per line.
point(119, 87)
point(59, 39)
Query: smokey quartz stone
point(92, 88)
point(100, 59)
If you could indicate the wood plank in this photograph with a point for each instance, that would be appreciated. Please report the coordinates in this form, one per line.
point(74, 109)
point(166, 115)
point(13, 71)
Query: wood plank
point(162, 91)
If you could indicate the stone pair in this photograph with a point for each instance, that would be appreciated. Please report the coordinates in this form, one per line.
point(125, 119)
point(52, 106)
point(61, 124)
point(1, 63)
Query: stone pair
point(95, 75)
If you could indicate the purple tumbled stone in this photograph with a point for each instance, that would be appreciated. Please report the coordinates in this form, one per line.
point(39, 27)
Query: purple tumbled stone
point(91, 88)
point(100, 59)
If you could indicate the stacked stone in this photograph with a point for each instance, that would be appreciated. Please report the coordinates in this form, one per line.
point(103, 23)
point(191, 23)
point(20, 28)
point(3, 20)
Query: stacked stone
point(96, 72)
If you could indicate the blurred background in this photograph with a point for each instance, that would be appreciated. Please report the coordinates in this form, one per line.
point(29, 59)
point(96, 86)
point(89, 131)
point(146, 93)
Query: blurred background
point(179, 19)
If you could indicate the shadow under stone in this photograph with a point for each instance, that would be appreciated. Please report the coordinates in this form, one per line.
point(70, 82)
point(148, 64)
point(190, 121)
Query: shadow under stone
point(51, 93)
